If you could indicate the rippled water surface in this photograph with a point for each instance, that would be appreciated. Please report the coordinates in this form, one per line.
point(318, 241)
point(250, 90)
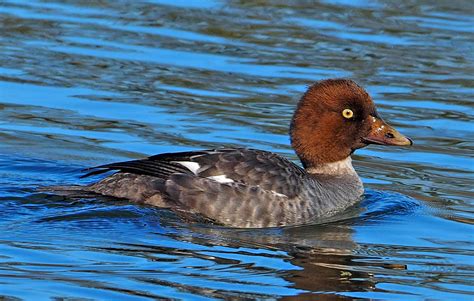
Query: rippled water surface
point(89, 82)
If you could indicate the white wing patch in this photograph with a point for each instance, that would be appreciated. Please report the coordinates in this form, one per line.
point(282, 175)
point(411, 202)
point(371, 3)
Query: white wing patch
point(278, 194)
point(221, 179)
point(192, 166)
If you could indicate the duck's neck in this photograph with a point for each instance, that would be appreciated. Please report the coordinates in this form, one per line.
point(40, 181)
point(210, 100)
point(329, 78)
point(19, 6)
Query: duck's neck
point(338, 168)
point(336, 186)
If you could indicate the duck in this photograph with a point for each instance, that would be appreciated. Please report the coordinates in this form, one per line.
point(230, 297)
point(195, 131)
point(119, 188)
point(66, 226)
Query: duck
point(252, 188)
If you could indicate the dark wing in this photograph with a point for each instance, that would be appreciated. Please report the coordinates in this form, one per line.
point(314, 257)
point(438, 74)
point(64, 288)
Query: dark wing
point(161, 166)
point(266, 170)
point(147, 167)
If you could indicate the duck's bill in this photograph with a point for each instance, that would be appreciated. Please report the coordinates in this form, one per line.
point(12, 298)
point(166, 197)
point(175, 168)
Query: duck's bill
point(383, 134)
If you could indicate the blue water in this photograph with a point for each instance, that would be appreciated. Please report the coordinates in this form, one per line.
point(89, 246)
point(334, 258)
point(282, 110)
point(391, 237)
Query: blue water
point(87, 83)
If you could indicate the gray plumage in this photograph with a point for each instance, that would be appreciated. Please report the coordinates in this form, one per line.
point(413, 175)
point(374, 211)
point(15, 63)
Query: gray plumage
point(266, 189)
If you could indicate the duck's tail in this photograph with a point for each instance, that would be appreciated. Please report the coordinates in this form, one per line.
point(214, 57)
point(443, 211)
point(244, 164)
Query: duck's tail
point(70, 191)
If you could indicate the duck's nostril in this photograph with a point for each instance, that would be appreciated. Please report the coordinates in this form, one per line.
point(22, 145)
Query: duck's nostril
point(389, 135)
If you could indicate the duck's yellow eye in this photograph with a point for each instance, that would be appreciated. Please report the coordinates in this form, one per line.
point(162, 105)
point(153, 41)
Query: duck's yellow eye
point(347, 113)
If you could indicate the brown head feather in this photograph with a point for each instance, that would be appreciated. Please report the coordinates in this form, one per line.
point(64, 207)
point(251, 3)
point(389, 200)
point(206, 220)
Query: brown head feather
point(319, 132)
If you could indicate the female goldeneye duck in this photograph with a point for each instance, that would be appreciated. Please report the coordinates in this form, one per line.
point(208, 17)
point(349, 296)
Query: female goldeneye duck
point(255, 188)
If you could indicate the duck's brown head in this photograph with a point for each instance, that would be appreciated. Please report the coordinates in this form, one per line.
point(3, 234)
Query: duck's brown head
point(333, 119)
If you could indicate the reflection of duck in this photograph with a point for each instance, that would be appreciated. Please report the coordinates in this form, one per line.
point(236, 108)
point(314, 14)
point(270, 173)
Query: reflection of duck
point(321, 262)
point(254, 188)
point(323, 275)
point(317, 261)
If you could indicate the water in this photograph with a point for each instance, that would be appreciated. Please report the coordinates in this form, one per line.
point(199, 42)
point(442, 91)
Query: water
point(85, 83)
